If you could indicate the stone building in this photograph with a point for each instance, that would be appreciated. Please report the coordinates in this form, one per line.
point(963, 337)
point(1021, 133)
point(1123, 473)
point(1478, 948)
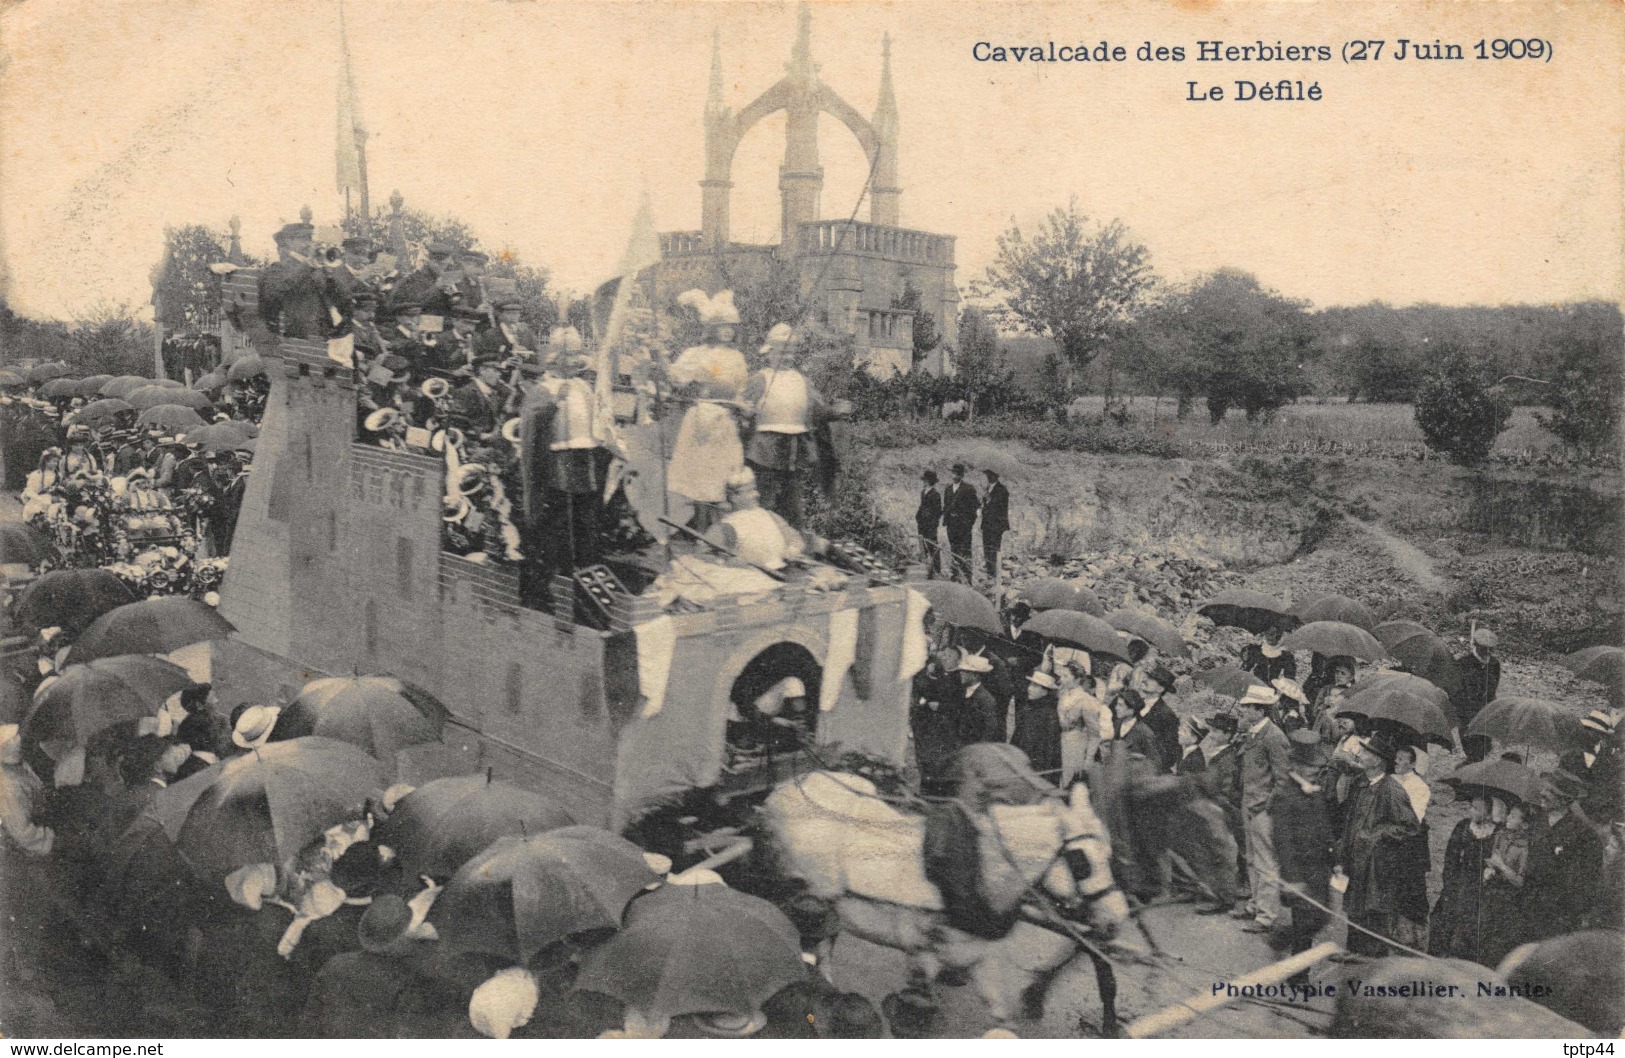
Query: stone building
point(851, 273)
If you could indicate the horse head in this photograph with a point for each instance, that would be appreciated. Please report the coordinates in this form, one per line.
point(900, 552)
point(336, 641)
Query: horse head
point(1087, 853)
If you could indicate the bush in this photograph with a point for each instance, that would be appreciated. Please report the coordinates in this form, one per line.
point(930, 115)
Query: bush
point(849, 512)
point(1585, 413)
point(1460, 413)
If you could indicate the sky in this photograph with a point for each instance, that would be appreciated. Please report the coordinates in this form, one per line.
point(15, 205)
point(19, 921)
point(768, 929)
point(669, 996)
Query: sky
point(542, 124)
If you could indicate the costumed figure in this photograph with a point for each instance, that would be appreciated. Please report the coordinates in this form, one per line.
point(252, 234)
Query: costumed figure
point(564, 461)
point(708, 450)
point(785, 412)
point(754, 533)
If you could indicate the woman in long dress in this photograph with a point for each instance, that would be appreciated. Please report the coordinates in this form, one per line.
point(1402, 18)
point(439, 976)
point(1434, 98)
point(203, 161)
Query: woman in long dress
point(1499, 915)
point(1453, 930)
point(708, 449)
point(1085, 720)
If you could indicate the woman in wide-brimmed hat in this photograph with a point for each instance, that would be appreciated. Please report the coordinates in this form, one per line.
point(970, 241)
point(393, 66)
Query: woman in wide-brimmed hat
point(1038, 723)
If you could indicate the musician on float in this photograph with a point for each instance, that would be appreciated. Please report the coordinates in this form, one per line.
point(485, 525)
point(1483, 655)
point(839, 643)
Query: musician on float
point(707, 450)
point(434, 286)
point(478, 405)
point(565, 462)
point(756, 534)
point(355, 274)
point(298, 298)
point(511, 336)
point(784, 411)
point(369, 341)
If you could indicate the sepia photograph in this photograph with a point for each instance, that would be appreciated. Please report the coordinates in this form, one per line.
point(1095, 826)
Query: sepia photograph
point(693, 519)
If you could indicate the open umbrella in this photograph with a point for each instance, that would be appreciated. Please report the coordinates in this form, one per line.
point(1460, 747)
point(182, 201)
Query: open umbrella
point(46, 372)
point(219, 437)
point(1402, 681)
point(91, 385)
point(381, 714)
point(120, 385)
point(210, 382)
point(1521, 721)
point(1247, 609)
point(152, 626)
point(169, 383)
point(1052, 593)
point(1334, 639)
point(245, 367)
point(443, 824)
point(1495, 777)
point(1232, 681)
point(695, 949)
point(523, 893)
point(22, 543)
point(152, 396)
point(57, 388)
point(960, 605)
point(1153, 631)
point(102, 410)
point(70, 598)
point(267, 804)
point(1336, 608)
point(1401, 707)
point(1074, 629)
point(92, 697)
point(12, 378)
point(1604, 665)
point(171, 417)
point(1421, 653)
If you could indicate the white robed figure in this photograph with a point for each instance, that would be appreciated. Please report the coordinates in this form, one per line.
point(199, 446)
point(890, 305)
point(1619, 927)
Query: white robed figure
point(708, 449)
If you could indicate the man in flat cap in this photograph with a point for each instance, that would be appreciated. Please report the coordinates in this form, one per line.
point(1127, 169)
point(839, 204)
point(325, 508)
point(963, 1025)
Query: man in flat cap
point(434, 286)
point(472, 264)
point(297, 297)
point(479, 405)
point(511, 336)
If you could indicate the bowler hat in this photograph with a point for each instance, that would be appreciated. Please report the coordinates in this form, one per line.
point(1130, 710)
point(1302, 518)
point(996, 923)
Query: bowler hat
point(1382, 745)
point(385, 922)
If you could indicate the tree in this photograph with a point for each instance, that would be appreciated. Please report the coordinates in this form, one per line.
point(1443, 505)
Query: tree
point(980, 374)
point(108, 340)
point(1071, 281)
point(1460, 412)
point(926, 335)
point(186, 294)
point(1587, 394)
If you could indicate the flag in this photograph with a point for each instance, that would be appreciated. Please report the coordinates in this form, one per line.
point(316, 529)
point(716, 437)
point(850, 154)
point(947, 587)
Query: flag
point(351, 131)
point(642, 251)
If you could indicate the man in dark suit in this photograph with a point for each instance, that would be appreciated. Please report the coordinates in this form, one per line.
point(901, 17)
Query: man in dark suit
point(1265, 767)
point(434, 286)
point(960, 506)
point(995, 522)
point(1564, 872)
point(477, 405)
point(927, 519)
point(510, 337)
point(297, 297)
point(1153, 684)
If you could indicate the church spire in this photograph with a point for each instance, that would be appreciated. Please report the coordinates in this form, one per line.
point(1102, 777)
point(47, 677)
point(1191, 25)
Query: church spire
point(886, 109)
point(714, 102)
point(801, 64)
point(884, 196)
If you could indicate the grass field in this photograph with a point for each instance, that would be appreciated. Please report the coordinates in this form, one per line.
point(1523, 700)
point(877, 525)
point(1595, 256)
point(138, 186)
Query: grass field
point(1305, 429)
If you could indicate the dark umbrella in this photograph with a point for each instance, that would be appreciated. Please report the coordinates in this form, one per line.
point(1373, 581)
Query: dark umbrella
point(1402, 681)
point(100, 410)
point(1421, 653)
point(219, 437)
point(121, 385)
point(145, 882)
point(91, 385)
point(1335, 639)
point(266, 805)
point(171, 417)
point(1250, 610)
point(1495, 777)
point(1052, 593)
point(245, 367)
point(169, 383)
point(1232, 681)
point(1423, 717)
point(696, 949)
point(48, 371)
point(1337, 608)
point(1143, 626)
point(381, 714)
point(59, 387)
point(1521, 721)
point(1604, 665)
point(210, 382)
point(523, 893)
point(12, 378)
point(1074, 629)
point(443, 824)
point(960, 605)
point(70, 598)
point(22, 543)
point(152, 626)
point(92, 697)
point(152, 396)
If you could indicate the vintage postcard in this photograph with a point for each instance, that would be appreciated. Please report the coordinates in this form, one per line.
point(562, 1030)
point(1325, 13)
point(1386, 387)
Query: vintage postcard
point(864, 520)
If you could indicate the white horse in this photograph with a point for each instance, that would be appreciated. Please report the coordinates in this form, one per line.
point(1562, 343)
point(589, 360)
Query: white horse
point(832, 831)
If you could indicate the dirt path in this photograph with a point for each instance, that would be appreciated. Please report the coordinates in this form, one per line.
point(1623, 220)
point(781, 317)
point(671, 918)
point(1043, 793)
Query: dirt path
point(1410, 560)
